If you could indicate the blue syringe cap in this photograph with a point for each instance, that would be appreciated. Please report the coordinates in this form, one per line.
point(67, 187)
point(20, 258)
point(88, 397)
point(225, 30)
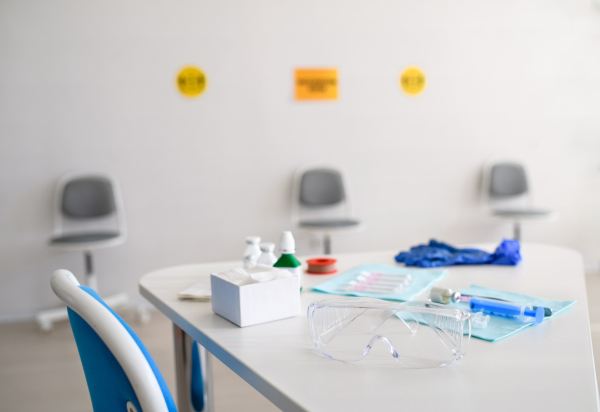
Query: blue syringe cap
point(539, 314)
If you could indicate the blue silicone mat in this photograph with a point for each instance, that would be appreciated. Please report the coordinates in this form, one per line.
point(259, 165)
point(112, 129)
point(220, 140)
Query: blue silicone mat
point(423, 279)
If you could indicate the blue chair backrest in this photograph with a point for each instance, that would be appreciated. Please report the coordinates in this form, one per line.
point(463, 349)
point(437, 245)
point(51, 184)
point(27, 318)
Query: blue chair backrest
point(108, 384)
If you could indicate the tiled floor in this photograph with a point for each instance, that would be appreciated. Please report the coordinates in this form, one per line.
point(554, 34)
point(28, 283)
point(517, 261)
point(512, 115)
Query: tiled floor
point(42, 371)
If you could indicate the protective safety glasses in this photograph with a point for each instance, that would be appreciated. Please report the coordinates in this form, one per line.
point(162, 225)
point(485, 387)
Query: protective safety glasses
point(346, 329)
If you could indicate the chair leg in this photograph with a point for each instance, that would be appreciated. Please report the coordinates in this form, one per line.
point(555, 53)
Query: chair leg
point(118, 300)
point(91, 279)
point(517, 231)
point(143, 313)
point(46, 318)
point(327, 244)
point(115, 301)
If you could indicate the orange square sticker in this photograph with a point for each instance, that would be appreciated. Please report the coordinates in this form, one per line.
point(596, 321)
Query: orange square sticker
point(316, 84)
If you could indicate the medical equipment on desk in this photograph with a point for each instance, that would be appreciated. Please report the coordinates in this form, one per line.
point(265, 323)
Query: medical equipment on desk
point(252, 252)
point(287, 248)
point(479, 320)
point(446, 296)
point(346, 329)
point(254, 295)
point(383, 281)
point(519, 311)
point(437, 254)
point(523, 312)
point(387, 276)
point(321, 266)
point(374, 282)
point(257, 274)
point(362, 287)
point(267, 257)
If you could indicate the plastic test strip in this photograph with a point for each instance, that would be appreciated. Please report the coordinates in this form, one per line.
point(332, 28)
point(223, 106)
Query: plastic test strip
point(387, 288)
point(362, 288)
point(384, 282)
point(392, 276)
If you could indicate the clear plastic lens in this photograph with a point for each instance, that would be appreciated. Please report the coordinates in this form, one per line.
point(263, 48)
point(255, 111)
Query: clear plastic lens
point(416, 334)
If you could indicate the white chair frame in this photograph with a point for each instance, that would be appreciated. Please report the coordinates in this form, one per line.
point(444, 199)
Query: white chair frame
point(117, 339)
point(524, 201)
point(59, 229)
point(486, 201)
point(46, 318)
point(345, 207)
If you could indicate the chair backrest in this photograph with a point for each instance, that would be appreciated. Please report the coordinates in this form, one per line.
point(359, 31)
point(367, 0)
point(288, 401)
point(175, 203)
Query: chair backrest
point(88, 197)
point(504, 185)
point(507, 180)
point(88, 200)
point(321, 187)
point(120, 373)
point(320, 192)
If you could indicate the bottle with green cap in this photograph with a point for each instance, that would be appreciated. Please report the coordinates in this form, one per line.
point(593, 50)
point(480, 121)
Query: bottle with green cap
point(287, 247)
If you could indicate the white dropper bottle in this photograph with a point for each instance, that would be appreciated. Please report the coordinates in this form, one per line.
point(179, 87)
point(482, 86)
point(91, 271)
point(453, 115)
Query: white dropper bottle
point(252, 251)
point(287, 247)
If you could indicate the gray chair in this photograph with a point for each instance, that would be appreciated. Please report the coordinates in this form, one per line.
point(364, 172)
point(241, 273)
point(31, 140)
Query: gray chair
point(321, 203)
point(88, 215)
point(507, 195)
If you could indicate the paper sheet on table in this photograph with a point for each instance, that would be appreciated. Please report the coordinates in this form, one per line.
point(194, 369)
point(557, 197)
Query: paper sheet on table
point(199, 291)
point(423, 279)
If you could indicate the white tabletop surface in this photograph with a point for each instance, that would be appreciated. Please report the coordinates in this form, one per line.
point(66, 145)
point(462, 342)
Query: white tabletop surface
point(548, 367)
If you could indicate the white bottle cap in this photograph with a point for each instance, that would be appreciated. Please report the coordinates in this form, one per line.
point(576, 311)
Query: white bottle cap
point(287, 244)
point(253, 240)
point(267, 247)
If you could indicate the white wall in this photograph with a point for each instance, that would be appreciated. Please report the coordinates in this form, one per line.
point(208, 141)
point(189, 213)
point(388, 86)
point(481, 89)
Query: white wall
point(90, 85)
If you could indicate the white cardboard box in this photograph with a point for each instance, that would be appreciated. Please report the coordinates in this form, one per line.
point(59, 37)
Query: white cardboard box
point(257, 302)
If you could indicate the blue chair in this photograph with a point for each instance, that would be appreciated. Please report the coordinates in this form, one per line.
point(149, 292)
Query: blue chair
point(120, 373)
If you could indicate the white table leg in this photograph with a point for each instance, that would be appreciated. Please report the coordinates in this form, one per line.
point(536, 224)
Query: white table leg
point(183, 372)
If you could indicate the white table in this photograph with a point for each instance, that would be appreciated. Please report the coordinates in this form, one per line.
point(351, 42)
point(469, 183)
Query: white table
point(548, 367)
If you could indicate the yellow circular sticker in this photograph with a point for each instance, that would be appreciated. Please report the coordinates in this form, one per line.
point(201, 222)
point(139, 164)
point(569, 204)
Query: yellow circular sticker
point(191, 81)
point(412, 81)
